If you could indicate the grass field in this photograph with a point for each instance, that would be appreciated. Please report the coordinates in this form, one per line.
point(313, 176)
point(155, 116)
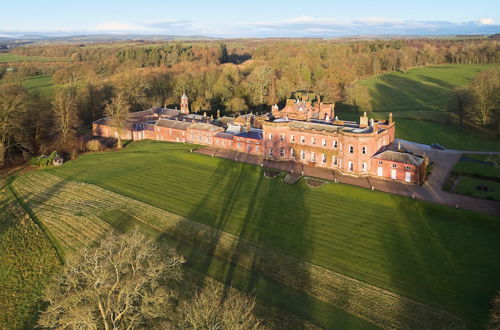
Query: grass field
point(418, 100)
point(469, 186)
point(415, 249)
point(448, 136)
point(27, 261)
point(476, 176)
point(13, 58)
point(472, 164)
point(77, 214)
point(42, 84)
point(425, 88)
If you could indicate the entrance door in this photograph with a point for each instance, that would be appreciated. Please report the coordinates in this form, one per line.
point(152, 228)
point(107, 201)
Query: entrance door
point(379, 171)
point(393, 174)
point(408, 177)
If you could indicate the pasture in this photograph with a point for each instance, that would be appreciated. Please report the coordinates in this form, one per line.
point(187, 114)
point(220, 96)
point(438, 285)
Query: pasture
point(27, 261)
point(42, 84)
point(425, 88)
point(13, 58)
point(413, 249)
point(418, 100)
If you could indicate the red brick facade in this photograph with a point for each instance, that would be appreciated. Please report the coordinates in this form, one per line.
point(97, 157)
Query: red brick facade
point(360, 149)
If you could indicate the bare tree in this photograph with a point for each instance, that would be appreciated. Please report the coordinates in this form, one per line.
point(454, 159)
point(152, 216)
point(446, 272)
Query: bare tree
point(495, 312)
point(66, 115)
point(122, 283)
point(117, 110)
point(486, 90)
point(461, 100)
point(12, 106)
point(212, 309)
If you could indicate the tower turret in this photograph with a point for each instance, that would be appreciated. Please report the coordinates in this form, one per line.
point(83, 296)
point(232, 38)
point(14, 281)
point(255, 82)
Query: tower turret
point(184, 104)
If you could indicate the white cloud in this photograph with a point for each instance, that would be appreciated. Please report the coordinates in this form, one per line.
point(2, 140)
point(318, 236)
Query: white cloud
point(115, 26)
point(486, 21)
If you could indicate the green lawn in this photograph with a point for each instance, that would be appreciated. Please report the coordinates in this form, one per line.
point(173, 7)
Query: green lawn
point(434, 254)
point(470, 164)
point(418, 100)
point(447, 135)
point(27, 261)
point(425, 88)
point(469, 186)
point(13, 58)
point(42, 84)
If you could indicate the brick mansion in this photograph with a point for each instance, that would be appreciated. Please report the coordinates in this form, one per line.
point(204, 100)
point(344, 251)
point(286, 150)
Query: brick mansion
point(305, 130)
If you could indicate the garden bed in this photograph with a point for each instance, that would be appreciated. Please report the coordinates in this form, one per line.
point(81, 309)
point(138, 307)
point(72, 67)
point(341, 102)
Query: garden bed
point(314, 183)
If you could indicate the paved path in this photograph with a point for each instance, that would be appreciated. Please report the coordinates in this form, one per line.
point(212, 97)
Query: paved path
point(431, 190)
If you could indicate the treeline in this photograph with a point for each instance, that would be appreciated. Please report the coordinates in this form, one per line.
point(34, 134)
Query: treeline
point(478, 102)
point(234, 76)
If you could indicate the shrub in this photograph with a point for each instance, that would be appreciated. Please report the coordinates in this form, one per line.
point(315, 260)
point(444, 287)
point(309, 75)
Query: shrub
point(43, 160)
point(94, 145)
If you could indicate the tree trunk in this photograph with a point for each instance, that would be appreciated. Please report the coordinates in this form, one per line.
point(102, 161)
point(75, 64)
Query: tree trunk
point(3, 151)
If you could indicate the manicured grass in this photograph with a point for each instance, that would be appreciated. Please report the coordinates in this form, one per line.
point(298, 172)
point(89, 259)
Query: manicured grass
point(27, 261)
point(470, 164)
point(426, 88)
point(448, 136)
point(42, 84)
point(423, 94)
point(13, 58)
point(469, 186)
point(434, 254)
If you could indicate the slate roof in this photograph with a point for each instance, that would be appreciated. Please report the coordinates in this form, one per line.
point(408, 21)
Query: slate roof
point(399, 157)
point(224, 135)
point(205, 127)
point(253, 134)
point(314, 126)
point(173, 124)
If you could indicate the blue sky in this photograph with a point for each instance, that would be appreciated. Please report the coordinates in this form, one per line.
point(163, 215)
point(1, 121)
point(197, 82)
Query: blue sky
point(251, 18)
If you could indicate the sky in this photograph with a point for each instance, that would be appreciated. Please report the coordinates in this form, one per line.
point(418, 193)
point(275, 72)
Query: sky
point(250, 18)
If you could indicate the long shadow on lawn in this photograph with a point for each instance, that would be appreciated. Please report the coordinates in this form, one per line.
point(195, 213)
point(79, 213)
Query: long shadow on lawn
point(249, 207)
point(442, 257)
point(414, 91)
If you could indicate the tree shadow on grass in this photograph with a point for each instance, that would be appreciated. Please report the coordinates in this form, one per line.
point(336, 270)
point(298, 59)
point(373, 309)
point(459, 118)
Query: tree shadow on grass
point(441, 257)
point(413, 95)
point(248, 206)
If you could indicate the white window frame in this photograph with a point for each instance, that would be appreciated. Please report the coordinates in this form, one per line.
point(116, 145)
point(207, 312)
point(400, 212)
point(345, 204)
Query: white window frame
point(323, 142)
point(363, 150)
point(351, 149)
point(282, 152)
point(303, 139)
point(350, 166)
point(302, 155)
point(313, 157)
point(323, 158)
point(335, 144)
point(313, 140)
point(282, 137)
point(270, 136)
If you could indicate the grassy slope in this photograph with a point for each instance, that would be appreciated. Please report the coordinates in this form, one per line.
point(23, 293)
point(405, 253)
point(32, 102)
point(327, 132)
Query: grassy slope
point(43, 84)
point(27, 260)
point(426, 88)
point(12, 58)
point(423, 93)
point(417, 249)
